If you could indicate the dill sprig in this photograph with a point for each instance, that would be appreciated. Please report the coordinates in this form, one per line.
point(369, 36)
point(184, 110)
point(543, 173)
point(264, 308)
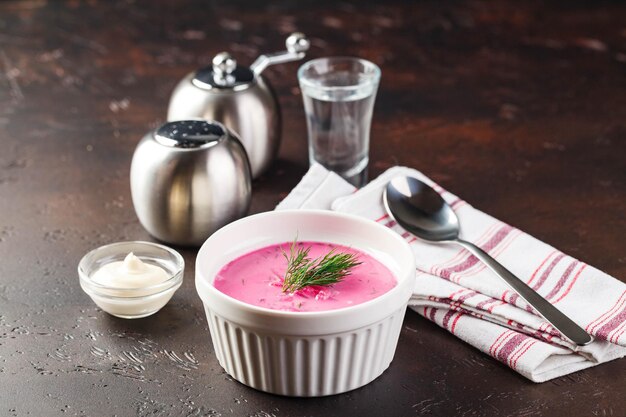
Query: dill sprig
point(303, 271)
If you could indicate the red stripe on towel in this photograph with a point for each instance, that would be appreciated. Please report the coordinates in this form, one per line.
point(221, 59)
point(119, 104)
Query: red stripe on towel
point(618, 334)
point(381, 218)
point(390, 223)
point(523, 352)
point(597, 322)
point(472, 260)
point(499, 303)
point(571, 284)
point(499, 340)
point(562, 280)
point(454, 322)
point(547, 272)
point(462, 254)
point(511, 344)
point(431, 316)
point(612, 324)
point(517, 351)
point(540, 266)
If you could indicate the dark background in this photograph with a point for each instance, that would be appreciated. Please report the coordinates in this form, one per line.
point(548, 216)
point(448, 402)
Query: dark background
point(518, 107)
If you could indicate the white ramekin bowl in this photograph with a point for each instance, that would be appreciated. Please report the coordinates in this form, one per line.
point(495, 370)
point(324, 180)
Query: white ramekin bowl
point(305, 354)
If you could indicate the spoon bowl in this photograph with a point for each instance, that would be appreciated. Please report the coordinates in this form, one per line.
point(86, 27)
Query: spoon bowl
point(420, 209)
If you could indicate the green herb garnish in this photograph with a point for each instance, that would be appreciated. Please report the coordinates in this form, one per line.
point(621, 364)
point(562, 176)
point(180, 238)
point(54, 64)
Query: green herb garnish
point(303, 271)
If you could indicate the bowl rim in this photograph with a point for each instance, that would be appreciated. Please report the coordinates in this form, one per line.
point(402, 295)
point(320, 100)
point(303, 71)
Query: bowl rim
point(206, 284)
point(96, 288)
point(373, 78)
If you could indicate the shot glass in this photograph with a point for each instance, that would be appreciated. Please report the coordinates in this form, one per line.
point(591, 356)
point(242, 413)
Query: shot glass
point(339, 95)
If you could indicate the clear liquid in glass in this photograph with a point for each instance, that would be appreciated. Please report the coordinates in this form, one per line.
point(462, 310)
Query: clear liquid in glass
point(338, 122)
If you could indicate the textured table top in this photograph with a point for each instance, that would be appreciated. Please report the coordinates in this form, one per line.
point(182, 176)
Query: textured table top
point(518, 108)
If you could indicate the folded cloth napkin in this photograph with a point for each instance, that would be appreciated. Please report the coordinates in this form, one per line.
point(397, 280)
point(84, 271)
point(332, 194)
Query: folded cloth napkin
point(456, 291)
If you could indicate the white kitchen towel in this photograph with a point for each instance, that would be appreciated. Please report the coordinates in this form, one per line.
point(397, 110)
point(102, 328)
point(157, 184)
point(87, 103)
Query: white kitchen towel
point(456, 291)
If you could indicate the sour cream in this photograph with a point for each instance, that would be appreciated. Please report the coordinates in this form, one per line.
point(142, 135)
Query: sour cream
point(132, 272)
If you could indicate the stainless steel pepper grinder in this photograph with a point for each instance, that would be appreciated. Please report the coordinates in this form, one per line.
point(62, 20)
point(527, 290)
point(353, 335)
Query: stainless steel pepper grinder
point(189, 178)
point(240, 98)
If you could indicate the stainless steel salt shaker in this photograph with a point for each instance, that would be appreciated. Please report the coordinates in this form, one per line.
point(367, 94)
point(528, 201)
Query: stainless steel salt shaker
point(189, 178)
point(240, 98)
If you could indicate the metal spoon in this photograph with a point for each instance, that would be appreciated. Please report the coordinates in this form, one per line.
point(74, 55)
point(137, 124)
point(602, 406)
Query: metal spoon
point(422, 211)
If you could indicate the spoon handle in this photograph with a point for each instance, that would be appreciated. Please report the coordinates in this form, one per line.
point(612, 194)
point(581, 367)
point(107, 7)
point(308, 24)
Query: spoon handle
point(553, 315)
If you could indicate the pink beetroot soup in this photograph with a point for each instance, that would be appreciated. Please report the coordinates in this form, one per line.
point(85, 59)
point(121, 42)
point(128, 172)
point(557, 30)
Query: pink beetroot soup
point(256, 278)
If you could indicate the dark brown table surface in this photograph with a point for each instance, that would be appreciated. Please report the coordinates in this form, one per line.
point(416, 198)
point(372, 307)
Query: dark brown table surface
point(520, 108)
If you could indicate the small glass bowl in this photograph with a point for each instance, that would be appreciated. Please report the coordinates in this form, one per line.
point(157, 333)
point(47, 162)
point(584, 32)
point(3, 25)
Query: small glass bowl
point(132, 303)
